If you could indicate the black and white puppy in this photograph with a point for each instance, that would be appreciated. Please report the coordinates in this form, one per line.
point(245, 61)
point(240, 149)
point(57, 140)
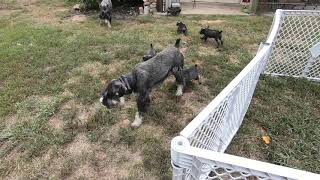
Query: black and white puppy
point(191, 73)
point(106, 12)
point(182, 28)
point(210, 33)
point(149, 54)
point(145, 76)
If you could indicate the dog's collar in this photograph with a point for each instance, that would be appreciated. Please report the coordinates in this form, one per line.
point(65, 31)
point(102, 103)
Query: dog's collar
point(125, 82)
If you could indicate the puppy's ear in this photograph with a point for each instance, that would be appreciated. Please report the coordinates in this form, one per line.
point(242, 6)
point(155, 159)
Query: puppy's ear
point(151, 46)
point(177, 45)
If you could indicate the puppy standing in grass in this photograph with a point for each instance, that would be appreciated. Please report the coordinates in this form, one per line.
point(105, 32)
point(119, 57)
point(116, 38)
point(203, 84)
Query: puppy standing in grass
point(150, 53)
point(210, 33)
point(182, 28)
point(106, 12)
point(145, 76)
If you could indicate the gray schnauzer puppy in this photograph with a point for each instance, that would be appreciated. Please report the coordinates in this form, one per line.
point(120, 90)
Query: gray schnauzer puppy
point(105, 12)
point(149, 54)
point(182, 28)
point(145, 76)
point(191, 73)
point(210, 33)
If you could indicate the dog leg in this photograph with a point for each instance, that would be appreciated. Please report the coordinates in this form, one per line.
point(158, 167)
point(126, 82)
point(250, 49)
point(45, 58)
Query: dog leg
point(122, 101)
point(217, 42)
point(143, 103)
point(221, 42)
point(137, 120)
point(178, 74)
point(108, 23)
point(179, 90)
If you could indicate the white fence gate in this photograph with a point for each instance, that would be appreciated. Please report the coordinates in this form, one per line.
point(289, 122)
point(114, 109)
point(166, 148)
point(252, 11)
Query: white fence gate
point(198, 152)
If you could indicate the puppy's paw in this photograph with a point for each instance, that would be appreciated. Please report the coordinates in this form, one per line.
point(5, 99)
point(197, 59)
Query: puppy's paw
point(122, 101)
point(137, 121)
point(179, 90)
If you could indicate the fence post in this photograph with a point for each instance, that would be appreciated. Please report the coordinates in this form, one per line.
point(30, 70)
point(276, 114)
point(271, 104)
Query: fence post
point(179, 161)
point(315, 52)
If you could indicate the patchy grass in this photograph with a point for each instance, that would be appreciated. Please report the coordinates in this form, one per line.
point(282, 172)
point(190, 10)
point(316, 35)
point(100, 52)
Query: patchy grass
point(53, 71)
point(287, 110)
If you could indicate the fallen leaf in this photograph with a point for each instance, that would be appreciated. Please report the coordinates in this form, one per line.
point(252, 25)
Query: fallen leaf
point(266, 139)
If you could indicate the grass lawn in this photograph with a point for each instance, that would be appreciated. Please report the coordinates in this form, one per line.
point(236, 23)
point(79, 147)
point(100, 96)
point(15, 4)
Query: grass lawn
point(53, 69)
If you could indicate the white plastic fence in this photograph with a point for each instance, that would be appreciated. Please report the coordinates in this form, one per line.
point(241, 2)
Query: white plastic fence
point(198, 152)
point(299, 31)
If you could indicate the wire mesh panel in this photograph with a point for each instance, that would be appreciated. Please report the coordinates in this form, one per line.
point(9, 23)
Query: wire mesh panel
point(299, 31)
point(190, 163)
point(195, 153)
point(221, 119)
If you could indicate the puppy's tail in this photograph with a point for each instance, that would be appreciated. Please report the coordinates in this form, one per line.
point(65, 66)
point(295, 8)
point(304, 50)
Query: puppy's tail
point(151, 46)
point(220, 32)
point(177, 45)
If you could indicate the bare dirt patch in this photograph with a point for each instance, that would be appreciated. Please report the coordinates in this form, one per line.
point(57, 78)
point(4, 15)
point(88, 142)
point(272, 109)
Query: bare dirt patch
point(234, 59)
point(80, 145)
point(208, 49)
point(117, 162)
point(208, 22)
point(253, 48)
point(80, 18)
point(85, 171)
point(115, 66)
point(94, 69)
point(56, 123)
point(7, 12)
point(77, 113)
point(40, 13)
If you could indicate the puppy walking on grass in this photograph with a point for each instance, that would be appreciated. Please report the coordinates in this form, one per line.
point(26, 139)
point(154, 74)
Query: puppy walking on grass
point(182, 28)
point(149, 54)
point(106, 12)
point(143, 78)
point(210, 33)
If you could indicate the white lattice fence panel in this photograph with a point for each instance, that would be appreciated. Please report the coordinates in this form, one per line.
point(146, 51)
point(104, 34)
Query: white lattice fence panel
point(195, 155)
point(190, 163)
point(298, 32)
point(219, 121)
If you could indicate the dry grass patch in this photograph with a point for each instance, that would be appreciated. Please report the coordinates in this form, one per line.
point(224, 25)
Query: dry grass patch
point(208, 49)
point(56, 123)
point(209, 22)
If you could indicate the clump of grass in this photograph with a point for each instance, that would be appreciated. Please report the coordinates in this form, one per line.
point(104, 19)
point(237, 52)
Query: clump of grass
point(86, 89)
point(157, 158)
point(284, 109)
point(103, 117)
point(127, 136)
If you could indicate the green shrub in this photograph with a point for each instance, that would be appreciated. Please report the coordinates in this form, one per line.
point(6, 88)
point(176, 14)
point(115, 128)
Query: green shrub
point(87, 4)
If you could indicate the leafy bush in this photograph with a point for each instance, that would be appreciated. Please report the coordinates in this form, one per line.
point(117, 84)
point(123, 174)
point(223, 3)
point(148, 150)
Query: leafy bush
point(87, 4)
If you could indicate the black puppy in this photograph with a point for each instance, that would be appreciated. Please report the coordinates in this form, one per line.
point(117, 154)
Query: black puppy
point(182, 28)
point(149, 54)
point(209, 33)
point(145, 76)
point(105, 12)
point(191, 73)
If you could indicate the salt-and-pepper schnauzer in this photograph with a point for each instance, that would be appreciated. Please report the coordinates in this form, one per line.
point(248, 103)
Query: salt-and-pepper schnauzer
point(209, 33)
point(149, 54)
point(191, 73)
point(145, 76)
point(106, 12)
point(182, 28)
